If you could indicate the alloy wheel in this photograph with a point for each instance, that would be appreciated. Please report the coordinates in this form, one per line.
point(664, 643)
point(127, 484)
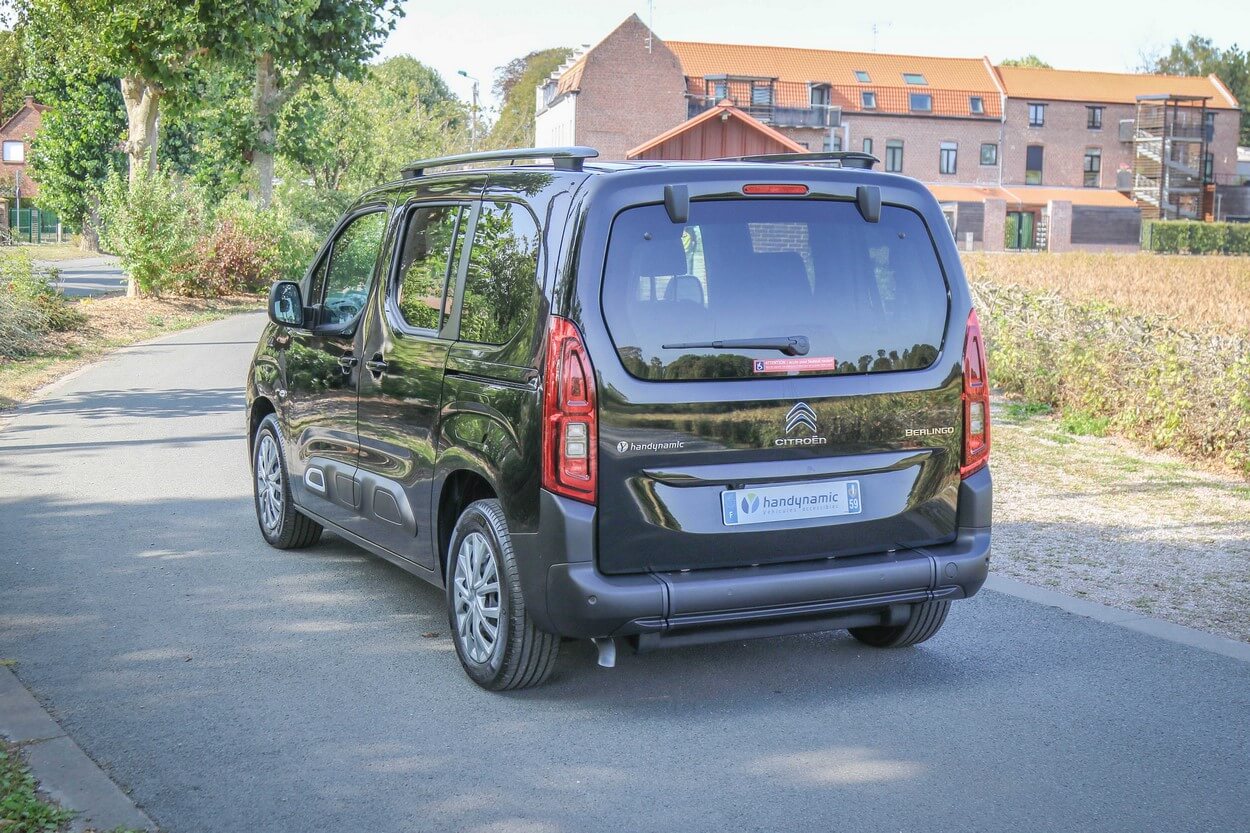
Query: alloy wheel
point(476, 587)
point(268, 483)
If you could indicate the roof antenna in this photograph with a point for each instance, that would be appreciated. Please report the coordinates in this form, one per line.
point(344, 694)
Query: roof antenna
point(650, 23)
point(876, 30)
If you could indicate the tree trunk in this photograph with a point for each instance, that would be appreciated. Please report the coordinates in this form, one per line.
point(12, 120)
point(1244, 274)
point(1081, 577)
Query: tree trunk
point(267, 102)
point(142, 101)
point(90, 238)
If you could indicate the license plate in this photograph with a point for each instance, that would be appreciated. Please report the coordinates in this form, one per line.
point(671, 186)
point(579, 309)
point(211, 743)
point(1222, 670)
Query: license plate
point(770, 504)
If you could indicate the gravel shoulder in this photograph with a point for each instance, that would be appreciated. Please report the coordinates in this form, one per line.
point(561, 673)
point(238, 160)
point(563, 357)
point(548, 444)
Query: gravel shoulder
point(1103, 519)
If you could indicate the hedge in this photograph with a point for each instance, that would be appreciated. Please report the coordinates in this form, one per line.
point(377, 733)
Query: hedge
point(1194, 238)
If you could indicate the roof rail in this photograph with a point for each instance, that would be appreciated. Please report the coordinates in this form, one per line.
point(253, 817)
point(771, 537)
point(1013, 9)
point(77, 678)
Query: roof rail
point(833, 158)
point(563, 158)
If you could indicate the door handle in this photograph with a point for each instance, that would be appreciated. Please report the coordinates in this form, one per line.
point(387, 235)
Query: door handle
point(348, 362)
point(377, 365)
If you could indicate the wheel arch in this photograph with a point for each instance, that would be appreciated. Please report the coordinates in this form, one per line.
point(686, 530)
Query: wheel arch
point(261, 407)
point(460, 488)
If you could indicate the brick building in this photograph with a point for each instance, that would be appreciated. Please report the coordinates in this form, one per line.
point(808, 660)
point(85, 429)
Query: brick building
point(15, 136)
point(1060, 150)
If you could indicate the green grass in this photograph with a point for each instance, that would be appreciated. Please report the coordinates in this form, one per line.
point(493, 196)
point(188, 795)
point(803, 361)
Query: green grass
point(1084, 424)
point(21, 808)
point(1020, 411)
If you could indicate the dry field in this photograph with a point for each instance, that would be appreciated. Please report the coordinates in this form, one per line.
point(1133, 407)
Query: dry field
point(1192, 291)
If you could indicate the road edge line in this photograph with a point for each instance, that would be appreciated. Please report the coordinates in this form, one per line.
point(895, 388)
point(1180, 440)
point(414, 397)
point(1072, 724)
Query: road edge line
point(64, 772)
point(1158, 628)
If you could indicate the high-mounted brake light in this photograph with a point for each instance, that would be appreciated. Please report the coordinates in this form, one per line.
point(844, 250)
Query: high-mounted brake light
point(774, 188)
point(976, 398)
point(570, 415)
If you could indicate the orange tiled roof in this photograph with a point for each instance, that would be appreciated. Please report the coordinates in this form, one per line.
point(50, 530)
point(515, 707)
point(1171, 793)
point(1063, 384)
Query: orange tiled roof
point(951, 81)
point(571, 80)
point(1107, 87)
point(1030, 195)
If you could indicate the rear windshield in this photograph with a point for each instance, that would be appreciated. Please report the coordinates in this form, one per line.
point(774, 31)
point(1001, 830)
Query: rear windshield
point(867, 297)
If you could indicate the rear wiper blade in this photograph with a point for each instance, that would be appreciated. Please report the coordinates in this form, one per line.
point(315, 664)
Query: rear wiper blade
point(790, 345)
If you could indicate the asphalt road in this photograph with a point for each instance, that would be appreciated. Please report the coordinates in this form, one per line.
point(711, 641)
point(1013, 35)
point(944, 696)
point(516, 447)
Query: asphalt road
point(89, 276)
point(232, 687)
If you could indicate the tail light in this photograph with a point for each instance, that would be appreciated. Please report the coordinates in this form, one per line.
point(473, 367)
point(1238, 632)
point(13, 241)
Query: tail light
point(570, 418)
point(976, 400)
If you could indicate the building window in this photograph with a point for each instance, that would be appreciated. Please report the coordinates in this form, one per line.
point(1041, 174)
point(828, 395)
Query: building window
point(868, 100)
point(833, 143)
point(921, 102)
point(1093, 167)
point(720, 91)
point(947, 157)
point(1209, 124)
point(1033, 165)
point(761, 95)
point(1037, 115)
point(1093, 118)
point(894, 156)
point(989, 154)
point(914, 78)
point(862, 77)
point(868, 146)
point(1208, 167)
point(977, 105)
point(822, 96)
point(14, 151)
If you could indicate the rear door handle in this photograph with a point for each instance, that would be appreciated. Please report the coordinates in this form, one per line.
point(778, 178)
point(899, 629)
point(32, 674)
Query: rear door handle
point(348, 362)
point(377, 365)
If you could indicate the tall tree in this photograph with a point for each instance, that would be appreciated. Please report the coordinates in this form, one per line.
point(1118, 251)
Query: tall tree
point(515, 87)
point(149, 45)
point(1200, 56)
point(13, 84)
point(289, 43)
point(76, 147)
point(1029, 60)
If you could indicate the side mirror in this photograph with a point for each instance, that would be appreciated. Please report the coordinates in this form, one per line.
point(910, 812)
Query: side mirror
point(286, 304)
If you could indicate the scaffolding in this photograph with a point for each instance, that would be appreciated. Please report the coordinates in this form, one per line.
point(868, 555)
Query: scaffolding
point(1171, 162)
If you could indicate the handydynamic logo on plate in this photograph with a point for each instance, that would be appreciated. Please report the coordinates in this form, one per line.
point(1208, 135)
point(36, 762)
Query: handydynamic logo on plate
point(750, 503)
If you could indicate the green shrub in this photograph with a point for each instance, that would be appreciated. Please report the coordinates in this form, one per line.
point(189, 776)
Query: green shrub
point(1110, 371)
point(1190, 237)
point(153, 225)
point(30, 308)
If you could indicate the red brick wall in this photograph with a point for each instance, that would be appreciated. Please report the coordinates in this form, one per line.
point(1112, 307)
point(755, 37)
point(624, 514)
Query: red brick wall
point(21, 127)
point(922, 138)
point(629, 95)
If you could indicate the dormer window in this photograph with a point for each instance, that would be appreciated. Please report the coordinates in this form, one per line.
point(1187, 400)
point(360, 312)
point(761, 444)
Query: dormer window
point(976, 104)
point(921, 102)
point(868, 100)
point(915, 78)
point(821, 95)
point(862, 76)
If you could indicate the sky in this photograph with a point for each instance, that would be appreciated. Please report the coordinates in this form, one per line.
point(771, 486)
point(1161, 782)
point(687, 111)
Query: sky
point(478, 36)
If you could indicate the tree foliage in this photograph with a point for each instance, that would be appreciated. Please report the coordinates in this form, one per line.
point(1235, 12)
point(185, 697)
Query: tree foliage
point(515, 85)
point(354, 134)
point(1200, 56)
point(1029, 60)
point(12, 70)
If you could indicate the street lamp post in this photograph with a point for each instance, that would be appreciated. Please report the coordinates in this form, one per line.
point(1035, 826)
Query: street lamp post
point(472, 112)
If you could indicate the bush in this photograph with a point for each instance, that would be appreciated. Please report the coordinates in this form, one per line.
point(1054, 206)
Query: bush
point(153, 226)
point(1190, 237)
point(30, 308)
point(1187, 390)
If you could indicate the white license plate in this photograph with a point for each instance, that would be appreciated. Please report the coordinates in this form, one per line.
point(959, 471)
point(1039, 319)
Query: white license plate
point(769, 504)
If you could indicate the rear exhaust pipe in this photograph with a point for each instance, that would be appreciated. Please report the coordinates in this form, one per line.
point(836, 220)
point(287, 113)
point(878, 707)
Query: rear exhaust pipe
point(607, 651)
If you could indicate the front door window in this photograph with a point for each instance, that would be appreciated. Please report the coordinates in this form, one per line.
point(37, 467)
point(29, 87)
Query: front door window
point(352, 260)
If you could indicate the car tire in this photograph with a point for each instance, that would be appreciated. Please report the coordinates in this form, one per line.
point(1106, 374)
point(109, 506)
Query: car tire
point(484, 587)
point(281, 523)
point(926, 619)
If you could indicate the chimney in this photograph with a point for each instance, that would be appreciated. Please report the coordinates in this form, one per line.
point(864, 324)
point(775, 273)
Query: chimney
point(30, 99)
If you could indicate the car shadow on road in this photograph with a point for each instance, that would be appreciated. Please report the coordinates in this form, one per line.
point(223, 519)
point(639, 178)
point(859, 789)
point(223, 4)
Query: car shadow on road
point(137, 404)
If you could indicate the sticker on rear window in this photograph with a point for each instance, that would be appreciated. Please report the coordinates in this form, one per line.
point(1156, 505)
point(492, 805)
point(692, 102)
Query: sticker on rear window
point(797, 364)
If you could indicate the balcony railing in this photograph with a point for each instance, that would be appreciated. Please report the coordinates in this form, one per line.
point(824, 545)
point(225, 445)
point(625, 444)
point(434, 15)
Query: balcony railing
point(815, 115)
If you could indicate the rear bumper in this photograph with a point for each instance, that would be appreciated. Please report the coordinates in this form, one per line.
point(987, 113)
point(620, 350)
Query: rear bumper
point(567, 595)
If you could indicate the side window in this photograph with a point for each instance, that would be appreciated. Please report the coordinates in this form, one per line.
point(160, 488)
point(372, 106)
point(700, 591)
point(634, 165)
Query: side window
point(352, 259)
point(425, 263)
point(503, 270)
